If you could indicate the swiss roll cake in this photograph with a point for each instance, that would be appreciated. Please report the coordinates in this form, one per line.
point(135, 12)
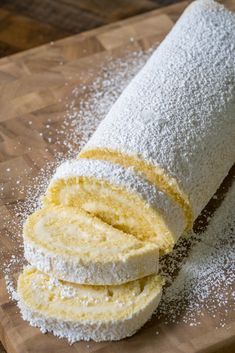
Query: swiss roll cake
point(173, 128)
point(138, 184)
point(83, 312)
point(174, 124)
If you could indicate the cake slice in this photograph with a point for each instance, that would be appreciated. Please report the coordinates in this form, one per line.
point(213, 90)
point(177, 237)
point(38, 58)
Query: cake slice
point(83, 312)
point(72, 245)
point(120, 198)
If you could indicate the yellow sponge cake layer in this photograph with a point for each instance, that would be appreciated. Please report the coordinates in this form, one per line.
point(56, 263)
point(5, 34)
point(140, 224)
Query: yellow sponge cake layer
point(120, 198)
point(82, 312)
point(72, 245)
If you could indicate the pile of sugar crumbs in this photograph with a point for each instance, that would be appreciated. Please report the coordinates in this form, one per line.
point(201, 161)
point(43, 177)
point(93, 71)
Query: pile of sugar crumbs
point(200, 271)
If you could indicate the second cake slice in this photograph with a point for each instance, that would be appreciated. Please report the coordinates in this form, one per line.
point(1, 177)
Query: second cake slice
point(72, 245)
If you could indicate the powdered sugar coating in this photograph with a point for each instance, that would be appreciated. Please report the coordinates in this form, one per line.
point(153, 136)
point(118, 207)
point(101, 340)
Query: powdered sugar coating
point(113, 330)
point(98, 329)
point(73, 269)
point(199, 284)
point(129, 180)
point(178, 112)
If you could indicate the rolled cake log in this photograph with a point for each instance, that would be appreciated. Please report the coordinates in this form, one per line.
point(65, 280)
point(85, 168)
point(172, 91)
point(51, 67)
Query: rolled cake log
point(174, 124)
point(69, 244)
point(82, 312)
point(172, 132)
point(142, 179)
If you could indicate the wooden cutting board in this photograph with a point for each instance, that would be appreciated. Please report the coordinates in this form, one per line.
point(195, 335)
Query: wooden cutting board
point(33, 88)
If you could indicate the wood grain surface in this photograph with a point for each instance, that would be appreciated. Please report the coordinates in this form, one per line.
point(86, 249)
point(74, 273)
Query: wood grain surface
point(34, 86)
point(29, 23)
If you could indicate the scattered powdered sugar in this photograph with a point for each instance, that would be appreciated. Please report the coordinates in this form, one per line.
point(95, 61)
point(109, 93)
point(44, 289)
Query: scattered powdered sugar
point(199, 271)
point(206, 272)
point(99, 97)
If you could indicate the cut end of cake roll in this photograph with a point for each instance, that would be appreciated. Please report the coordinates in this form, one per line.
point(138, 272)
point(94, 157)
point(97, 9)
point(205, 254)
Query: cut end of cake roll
point(120, 198)
point(83, 312)
point(154, 174)
point(72, 245)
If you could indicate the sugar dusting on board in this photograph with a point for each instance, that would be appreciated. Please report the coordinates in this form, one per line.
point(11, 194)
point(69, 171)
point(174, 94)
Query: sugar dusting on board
point(203, 261)
point(206, 275)
point(85, 108)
